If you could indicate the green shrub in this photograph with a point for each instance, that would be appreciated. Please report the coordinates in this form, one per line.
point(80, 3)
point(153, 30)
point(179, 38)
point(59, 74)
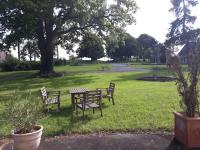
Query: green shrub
point(9, 64)
point(60, 62)
point(105, 68)
point(12, 64)
point(23, 114)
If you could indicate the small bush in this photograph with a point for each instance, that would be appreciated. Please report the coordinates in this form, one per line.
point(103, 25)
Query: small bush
point(12, 64)
point(9, 64)
point(23, 114)
point(60, 62)
point(105, 68)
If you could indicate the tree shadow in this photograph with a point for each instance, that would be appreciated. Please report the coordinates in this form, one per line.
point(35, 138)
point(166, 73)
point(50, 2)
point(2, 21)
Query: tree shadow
point(9, 76)
point(131, 76)
point(27, 82)
point(137, 75)
point(75, 121)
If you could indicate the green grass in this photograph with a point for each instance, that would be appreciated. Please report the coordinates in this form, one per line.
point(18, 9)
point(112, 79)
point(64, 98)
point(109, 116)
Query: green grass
point(140, 105)
point(82, 68)
point(155, 69)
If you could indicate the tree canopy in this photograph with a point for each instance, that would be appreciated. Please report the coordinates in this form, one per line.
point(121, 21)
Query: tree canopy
point(181, 30)
point(148, 46)
point(63, 22)
point(124, 49)
point(144, 47)
point(92, 47)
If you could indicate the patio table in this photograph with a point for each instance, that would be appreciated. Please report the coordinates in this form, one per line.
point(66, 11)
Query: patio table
point(76, 91)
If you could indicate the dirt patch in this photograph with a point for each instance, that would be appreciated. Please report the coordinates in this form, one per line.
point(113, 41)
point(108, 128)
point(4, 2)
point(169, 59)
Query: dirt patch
point(157, 78)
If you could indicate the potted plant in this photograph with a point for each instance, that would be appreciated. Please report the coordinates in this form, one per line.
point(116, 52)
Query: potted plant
point(187, 123)
point(23, 115)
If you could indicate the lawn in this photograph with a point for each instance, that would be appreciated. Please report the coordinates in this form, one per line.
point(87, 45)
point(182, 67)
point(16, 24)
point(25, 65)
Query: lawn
point(156, 69)
point(140, 105)
point(83, 68)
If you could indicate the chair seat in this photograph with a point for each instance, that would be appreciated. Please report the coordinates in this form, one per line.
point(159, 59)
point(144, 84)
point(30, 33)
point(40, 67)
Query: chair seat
point(105, 96)
point(52, 100)
point(88, 105)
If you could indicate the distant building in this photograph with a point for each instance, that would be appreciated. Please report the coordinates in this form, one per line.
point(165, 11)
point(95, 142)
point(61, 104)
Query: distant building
point(2, 56)
point(184, 53)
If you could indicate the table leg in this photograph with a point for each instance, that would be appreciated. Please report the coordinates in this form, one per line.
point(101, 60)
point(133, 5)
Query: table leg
point(73, 101)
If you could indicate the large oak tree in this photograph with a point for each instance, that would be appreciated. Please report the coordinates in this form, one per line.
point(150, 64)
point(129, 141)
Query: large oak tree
point(60, 22)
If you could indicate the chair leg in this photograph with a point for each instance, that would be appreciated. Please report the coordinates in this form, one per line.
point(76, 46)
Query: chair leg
point(93, 110)
point(101, 112)
point(113, 101)
point(83, 114)
point(76, 111)
point(109, 99)
point(58, 106)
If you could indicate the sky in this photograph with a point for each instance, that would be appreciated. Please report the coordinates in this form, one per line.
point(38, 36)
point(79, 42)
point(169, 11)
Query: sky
point(153, 18)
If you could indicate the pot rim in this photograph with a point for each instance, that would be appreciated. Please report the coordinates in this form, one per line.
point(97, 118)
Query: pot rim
point(26, 134)
point(185, 116)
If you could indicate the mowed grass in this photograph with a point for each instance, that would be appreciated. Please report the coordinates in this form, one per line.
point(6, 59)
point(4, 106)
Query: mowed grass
point(140, 105)
point(82, 67)
point(157, 69)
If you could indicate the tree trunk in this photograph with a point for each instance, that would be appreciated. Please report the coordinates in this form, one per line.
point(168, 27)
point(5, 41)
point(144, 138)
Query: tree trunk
point(46, 46)
point(19, 53)
point(46, 61)
point(57, 52)
point(30, 56)
point(34, 55)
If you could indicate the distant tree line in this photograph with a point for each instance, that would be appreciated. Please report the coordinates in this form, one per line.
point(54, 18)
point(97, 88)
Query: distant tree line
point(126, 48)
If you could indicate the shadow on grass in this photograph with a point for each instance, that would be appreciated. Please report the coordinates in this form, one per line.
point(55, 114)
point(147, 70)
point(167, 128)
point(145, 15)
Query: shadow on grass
point(74, 121)
point(132, 76)
point(9, 76)
point(137, 75)
point(26, 82)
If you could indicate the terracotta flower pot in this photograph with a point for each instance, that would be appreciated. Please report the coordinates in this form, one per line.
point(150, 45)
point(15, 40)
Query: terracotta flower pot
point(29, 141)
point(187, 130)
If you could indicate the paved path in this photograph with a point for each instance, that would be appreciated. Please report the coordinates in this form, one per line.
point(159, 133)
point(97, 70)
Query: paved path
point(115, 141)
point(116, 67)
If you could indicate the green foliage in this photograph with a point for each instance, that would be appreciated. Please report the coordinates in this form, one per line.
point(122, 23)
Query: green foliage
point(127, 46)
point(9, 64)
point(53, 22)
point(147, 45)
point(30, 48)
point(91, 47)
point(181, 30)
point(12, 64)
point(105, 68)
point(188, 87)
point(23, 115)
point(60, 62)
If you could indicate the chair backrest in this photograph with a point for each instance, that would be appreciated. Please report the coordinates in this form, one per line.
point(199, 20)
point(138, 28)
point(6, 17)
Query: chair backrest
point(111, 88)
point(92, 96)
point(43, 93)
